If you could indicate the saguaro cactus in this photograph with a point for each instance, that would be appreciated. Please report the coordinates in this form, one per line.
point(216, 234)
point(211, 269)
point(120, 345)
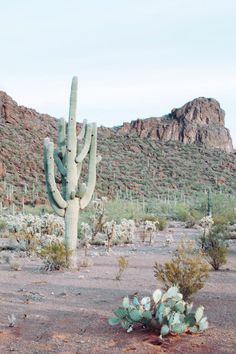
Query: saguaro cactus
point(209, 202)
point(69, 156)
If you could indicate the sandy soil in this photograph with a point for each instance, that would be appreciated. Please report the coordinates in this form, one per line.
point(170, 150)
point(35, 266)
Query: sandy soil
point(67, 312)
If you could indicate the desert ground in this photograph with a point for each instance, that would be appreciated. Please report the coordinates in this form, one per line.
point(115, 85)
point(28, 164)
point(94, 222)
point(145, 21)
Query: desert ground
point(67, 311)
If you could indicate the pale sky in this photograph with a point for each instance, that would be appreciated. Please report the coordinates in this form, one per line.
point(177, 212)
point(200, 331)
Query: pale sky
point(134, 58)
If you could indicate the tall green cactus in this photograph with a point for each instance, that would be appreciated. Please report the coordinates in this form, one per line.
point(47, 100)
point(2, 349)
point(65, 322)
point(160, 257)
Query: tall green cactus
point(69, 156)
point(209, 202)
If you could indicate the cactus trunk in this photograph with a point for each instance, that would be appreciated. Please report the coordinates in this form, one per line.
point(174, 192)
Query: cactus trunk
point(71, 230)
point(68, 158)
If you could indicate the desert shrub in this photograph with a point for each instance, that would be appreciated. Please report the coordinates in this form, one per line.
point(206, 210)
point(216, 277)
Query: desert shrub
point(110, 231)
point(123, 209)
point(162, 223)
point(86, 262)
point(227, 217)
point(125, 231)
point(147, 229)
point(38, 209)
point(215, 245)
point(196, 214)
point(154, 219)
point(122, 265)
point(187, 269)
point(55, 256)
point(181, 212)
point(85, 240)
point(231, 216)
point(98, 218)
point(3, 225)
point(33, 231)
point(220, 219)
point(190, 223)
point(165, 313)
point(149, 217)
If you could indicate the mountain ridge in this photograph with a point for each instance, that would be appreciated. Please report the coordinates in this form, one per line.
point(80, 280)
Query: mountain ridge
point(195, 130)
point(200, 121)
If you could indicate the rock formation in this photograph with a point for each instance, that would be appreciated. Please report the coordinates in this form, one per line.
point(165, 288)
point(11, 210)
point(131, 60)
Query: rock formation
point(200, 121)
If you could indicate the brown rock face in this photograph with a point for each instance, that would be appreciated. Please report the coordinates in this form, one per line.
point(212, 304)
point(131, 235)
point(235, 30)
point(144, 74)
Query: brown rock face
point(12, 115)
point(200, 121)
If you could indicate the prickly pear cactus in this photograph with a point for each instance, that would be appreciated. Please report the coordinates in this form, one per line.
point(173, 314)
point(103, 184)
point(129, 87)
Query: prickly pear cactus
point(168, 313)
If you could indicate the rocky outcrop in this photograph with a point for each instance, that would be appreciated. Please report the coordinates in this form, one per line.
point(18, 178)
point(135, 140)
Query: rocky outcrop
point(200, 121)
point(13, 115)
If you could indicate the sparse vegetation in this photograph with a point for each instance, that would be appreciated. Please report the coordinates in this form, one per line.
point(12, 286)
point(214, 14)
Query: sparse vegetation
point(182, 212)
point(85, 262)
point(215, 245)
point(187, 269)
point(162, 223)
point(147, 229)
point(31, 232)
point(3, 226)
point(122, 265)
point(55, 256)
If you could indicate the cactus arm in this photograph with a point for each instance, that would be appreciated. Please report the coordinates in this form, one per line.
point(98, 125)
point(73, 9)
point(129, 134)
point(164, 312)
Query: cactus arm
point(59, 163)
point(85, 149)
point(91, 170)
point(49, 152)
point(81, 190)
point(71, 141)
point(82, 132)
point(58, 211)
point(62, 137)
point(79, 168)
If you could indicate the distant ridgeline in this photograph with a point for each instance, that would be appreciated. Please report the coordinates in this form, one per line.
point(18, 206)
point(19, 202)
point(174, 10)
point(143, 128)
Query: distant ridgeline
point(183, 152)
point(201, 122)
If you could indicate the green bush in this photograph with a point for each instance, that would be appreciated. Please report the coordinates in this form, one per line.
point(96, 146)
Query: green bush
point(162, 223)
point(149, 217)
point(215, 245)
point(227, 217)
point(187, 269)
point(3, 225)
point(55, 256)
point(119, 209)
point(196, 214)
point(220, 219)
point(181, 212)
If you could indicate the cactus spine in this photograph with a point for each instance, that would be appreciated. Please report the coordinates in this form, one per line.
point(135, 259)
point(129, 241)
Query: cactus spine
point(68, 158)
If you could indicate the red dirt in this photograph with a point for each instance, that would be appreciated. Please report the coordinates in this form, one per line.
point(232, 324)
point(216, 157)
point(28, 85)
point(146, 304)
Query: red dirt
point(67, 312)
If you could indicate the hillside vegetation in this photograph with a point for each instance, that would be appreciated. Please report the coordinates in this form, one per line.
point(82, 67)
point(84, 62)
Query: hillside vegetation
point(138, 160)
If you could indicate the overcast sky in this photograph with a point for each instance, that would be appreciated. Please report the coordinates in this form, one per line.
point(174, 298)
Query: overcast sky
point(134, 58)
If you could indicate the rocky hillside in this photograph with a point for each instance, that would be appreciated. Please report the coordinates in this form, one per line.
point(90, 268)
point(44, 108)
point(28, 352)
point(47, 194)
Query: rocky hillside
point(201, 121)
point(184, 150)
